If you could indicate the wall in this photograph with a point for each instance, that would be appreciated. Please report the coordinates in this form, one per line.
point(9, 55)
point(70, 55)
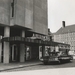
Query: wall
point(24, 13)
point(40, 16)
point(68, 38)
point(30, 14)
point(4, 12)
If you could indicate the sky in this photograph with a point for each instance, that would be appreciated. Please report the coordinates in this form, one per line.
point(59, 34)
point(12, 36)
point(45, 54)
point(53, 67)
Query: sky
point(58, 11)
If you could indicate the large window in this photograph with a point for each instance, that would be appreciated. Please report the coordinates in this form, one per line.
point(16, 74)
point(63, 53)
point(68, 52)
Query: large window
point(12, 8)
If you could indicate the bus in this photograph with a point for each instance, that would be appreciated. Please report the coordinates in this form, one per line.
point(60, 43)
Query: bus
point(56, 52)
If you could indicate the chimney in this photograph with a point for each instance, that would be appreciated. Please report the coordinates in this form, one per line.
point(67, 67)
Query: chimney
point(63, 24)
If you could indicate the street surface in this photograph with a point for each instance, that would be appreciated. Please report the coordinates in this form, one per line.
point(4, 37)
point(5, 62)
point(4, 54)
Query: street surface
point(42, 66)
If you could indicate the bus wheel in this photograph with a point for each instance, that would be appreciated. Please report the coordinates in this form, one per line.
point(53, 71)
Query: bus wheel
point(59, 62)
point(45, 63)
point(68, 60)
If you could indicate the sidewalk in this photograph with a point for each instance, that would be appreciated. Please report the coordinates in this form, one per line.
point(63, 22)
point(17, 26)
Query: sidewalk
point(4, 67)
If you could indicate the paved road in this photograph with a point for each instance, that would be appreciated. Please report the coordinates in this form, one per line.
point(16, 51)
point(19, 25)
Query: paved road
point(42, 66)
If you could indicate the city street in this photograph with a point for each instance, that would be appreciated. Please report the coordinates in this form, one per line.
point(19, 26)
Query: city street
point(42, 66)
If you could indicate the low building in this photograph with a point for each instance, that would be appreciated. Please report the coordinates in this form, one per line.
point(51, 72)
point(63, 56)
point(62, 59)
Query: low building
point(66, 34)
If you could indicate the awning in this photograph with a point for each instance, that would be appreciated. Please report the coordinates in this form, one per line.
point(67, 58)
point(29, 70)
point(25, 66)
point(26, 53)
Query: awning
point(29, 40)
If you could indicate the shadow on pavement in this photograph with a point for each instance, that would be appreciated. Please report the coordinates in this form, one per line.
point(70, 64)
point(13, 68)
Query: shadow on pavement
point(56, 63)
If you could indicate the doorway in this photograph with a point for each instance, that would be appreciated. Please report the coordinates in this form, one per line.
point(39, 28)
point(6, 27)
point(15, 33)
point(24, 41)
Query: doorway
point(28, 53)
point(14, 53)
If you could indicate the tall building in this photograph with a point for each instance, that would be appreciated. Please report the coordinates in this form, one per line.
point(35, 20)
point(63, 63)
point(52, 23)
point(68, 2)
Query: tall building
point(19, 20)
point(66, 34)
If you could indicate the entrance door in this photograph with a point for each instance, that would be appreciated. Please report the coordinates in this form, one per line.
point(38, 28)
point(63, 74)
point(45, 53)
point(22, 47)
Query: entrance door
point(40, 52)
point(28, 53)
point(14, 53)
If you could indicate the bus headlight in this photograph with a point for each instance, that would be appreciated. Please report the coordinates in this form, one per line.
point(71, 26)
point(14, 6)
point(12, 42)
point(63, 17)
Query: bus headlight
point(41, 59)
point(56, 58)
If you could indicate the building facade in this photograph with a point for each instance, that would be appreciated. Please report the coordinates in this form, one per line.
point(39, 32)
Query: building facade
point(19, 20)
point(66, 34)
point(50, 35)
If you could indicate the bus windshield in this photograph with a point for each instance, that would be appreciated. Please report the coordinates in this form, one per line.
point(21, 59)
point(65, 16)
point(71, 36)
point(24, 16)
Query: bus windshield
point(55, 52)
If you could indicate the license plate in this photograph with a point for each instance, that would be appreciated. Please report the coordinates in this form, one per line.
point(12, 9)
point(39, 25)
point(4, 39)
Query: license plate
point(65, 58)
point(51, 59)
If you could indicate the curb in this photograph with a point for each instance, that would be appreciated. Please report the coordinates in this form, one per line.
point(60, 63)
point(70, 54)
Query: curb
point(19, 67)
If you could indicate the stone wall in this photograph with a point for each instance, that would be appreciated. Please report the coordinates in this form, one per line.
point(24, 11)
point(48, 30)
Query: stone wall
point(30, 14)
point(4, 12)
point(40, 16)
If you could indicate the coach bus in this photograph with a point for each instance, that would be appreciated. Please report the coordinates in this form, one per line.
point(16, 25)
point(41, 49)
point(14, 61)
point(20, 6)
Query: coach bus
point(57, 52)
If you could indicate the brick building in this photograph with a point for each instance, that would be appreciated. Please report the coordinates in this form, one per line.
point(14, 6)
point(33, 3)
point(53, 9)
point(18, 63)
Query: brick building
point(66, 34)
point(19, 21)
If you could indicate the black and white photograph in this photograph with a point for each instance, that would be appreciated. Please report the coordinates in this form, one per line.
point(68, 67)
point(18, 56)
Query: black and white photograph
point(37, 35)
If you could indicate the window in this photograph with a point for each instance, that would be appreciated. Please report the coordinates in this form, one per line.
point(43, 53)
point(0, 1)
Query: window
point(12, 8)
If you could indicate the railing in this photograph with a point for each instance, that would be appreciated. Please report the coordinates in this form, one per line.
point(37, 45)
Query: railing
point(29, 40)
point(21, 39)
